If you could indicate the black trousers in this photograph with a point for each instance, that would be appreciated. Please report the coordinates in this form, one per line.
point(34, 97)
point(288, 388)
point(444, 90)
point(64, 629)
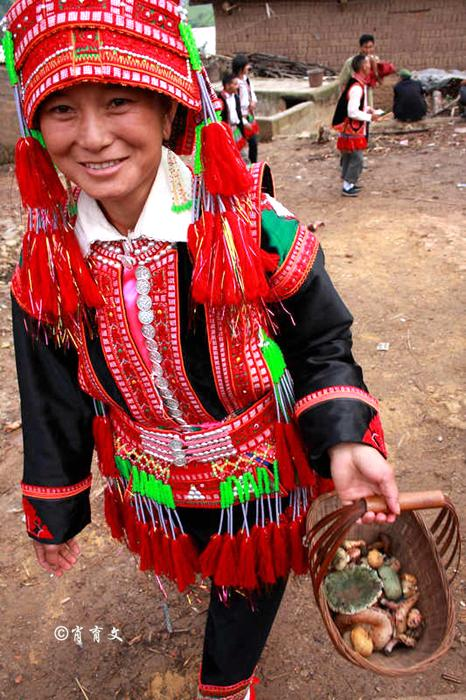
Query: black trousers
point(236, 631)
point(253, 149)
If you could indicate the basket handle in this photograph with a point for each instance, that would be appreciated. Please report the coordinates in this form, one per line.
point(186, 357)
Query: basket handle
point(445, 528)
point(409, 500)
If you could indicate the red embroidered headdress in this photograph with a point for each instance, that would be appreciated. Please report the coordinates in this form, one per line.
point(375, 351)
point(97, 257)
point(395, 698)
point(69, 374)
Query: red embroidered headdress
point(58, 43)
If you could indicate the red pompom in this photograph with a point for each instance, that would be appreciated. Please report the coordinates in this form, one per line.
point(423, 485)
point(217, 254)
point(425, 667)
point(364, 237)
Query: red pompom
point(103, 438)
point(226, 572)
point(155, 539)
point(167, 564)
point(129, 516)
point(280, 549)
point(209, 557)
point(298, 552)
point(224, 171)
point(265, 563)
point(306, 475)
point(285, 464)
point(200, 241)
point(145, 548)
point(38, 181)
point(184, 559)
point(113, 513)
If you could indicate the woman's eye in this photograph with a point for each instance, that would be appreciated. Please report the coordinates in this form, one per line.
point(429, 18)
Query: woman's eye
point(61, 109)
point(119, 102)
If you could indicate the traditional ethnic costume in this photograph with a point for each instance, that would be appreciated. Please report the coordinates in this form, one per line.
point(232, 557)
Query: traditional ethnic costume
point(351, 120)
point(158, 348)
point(247, 97)
point(231, 115)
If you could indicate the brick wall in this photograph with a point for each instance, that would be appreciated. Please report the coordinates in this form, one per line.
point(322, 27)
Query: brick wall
point(410, 33)
point(9, 122)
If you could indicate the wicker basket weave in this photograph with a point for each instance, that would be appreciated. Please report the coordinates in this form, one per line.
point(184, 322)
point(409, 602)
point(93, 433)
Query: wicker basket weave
point(426, 552)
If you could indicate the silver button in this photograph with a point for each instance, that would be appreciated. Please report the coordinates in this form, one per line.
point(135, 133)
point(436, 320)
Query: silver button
point(143, 286)
point(148, 331)
point(144, 303)
point(146, 316)
point(162, 383)
point(142, 273)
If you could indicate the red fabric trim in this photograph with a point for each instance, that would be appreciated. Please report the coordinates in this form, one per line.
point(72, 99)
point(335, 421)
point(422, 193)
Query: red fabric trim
point(54, 492)
point(232, 692)
point(298, 263)
point(34, 524)
point(374, 435)
point(334, 392)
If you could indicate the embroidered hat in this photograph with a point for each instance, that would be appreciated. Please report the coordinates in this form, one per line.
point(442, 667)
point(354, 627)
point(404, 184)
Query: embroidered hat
point(58, 43)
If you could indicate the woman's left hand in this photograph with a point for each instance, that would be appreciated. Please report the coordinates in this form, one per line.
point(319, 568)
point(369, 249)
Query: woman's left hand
point(359, 471)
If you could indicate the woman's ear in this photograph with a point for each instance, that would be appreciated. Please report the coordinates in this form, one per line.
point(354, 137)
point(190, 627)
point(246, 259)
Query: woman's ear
point(168, 118)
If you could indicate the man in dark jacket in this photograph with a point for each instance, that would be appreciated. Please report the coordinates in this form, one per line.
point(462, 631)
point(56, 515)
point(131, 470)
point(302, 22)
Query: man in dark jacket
point(409, 104)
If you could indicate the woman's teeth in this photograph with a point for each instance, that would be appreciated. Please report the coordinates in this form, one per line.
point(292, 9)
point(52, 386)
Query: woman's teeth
point(102, 166)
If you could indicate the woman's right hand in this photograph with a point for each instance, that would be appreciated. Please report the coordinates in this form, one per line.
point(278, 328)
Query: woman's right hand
point(57, 558)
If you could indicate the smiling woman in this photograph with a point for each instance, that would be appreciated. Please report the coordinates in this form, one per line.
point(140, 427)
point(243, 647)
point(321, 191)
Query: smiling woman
point(107, 140)
point(179, 321)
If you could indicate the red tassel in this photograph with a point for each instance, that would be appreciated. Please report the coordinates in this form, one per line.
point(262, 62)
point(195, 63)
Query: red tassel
point(285, 464)
point(145, 549)
point(296, 451)
point(87, 287)
point(38, 181)
point(266, 570)
point(113, 513)
point(226, 573)
point(155, 539)
point(270, 261)
point(184, 560)
point(247, 573)
point(129, 515)
point(298, 553)
point(280, 548)
point(36, 269)
point(255, 284)
point(103, 438)
point(200, 240)
point(69, 298)
point(209, 557)
point(224, 171)
point(167, 565)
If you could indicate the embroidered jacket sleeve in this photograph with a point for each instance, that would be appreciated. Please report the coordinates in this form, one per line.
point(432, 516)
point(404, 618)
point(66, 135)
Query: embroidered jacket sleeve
point(333, 404)
point(57, 435)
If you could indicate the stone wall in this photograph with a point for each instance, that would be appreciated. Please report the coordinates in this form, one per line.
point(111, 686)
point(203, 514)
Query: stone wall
point(411, 33)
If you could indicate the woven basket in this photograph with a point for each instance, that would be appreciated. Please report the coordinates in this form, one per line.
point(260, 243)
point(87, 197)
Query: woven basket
point(426, 552)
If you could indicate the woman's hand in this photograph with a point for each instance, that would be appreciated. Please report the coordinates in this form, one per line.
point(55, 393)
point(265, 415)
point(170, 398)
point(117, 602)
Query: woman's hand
point(57, 558)
point(358, 471)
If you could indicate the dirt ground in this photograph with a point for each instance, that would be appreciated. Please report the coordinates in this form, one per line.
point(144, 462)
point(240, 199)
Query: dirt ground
point(397, 255)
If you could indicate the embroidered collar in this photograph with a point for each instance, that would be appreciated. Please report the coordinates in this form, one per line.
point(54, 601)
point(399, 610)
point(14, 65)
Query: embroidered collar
point(157, 220)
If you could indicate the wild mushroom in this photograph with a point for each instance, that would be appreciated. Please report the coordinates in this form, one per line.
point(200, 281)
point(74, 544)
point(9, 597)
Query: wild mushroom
point(414, 619)
point(384, 543)
point(354, 554)
point(394, 564)
point(349, 544)
point(361, 641)
point(408, 585)
point(353, 589)
point(381, 627)
point(408, 641)
point(401, 614)
point(340, 560)
point(375, 559)
point(391, 582)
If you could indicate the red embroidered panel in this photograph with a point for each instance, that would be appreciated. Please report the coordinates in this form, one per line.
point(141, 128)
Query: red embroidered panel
point(54, 492)
point(34, 524)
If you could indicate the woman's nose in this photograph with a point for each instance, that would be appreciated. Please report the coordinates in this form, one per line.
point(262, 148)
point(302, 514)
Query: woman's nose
point(94, 133)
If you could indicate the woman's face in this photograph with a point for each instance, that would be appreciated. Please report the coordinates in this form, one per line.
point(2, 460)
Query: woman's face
point(107, 139)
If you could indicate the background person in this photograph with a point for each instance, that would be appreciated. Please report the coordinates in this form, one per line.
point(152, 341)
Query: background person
point(231, 112)
point(409, 104)
point(241, 67)
point(352, 117)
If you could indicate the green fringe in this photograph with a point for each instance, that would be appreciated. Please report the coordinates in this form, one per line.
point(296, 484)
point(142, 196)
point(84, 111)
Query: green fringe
point(273, 357)
point(178, 208)
point(247, 486)
point(9, 51)
point(190, 43)
point(38, 136)
point(146, 484)
point(197, 150)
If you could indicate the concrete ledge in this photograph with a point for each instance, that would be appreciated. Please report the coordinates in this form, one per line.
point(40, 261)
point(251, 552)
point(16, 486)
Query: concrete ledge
point(306, 116)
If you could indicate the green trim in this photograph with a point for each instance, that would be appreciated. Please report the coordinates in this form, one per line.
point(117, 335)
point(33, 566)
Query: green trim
point(189, 41)
point(179, 208)
point(279, 233)
point(273, 357)
point(9, 51)
point(248, 486)
point(145, 484)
